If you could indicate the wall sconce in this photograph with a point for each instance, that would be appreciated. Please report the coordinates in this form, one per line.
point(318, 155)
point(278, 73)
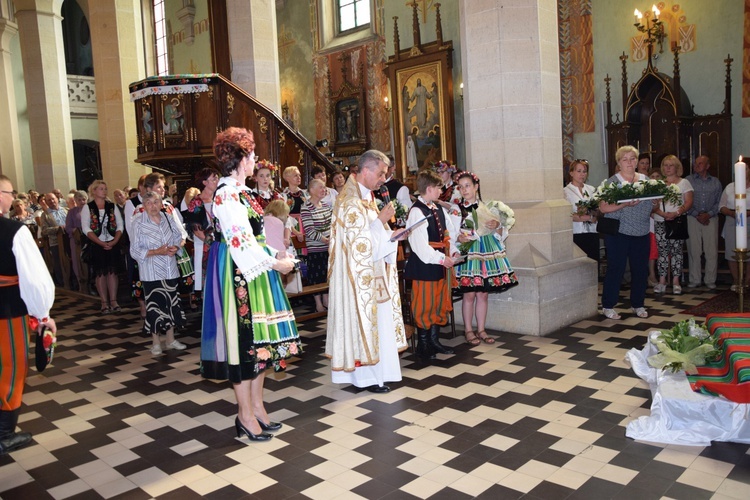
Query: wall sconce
point(387, 105)
point(461, 91)
point(323, 143)
point(653, 30)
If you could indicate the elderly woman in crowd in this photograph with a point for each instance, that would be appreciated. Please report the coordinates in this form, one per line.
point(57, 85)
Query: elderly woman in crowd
point(630, 243)
point(316, 220)
point(156, 239)
point(584, 224)
point(248, 325)
point(22, 214)
point(73, 222)
point(102, 224)
point(670, 251)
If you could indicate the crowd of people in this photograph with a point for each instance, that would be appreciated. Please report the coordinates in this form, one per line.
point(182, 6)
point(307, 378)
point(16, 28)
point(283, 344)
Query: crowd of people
point(641, 241)
point(231, 249)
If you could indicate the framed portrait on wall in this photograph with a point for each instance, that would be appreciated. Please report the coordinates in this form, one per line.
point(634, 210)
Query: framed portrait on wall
point(420, 114)
point(422, 91)
point(348, 116)
point(349, 126)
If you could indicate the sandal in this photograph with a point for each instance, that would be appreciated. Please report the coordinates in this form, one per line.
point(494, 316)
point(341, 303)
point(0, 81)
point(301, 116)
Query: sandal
point(485, 338)
point(471, 338)
point(105, 309)
point(115, 308)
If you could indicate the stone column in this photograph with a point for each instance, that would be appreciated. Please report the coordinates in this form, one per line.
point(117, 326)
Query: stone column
point(117, 44)
point(11, 163)
point(512, 112)
point(254, 49)
point(42, 51)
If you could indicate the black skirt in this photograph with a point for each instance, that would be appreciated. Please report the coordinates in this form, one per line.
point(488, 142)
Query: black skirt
point(163, 310)
point(103, 261)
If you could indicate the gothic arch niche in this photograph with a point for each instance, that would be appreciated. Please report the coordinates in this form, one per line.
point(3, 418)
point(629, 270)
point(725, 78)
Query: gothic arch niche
point(652, 108)
point(658, 119)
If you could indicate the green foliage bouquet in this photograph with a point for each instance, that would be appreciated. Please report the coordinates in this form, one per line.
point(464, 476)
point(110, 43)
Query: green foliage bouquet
point(684, 347)
point(614, 192)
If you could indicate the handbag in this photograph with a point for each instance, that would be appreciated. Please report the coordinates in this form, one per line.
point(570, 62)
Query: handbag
point(184, 263)
point(295, 283)
point(606, 225)
point(676, 229)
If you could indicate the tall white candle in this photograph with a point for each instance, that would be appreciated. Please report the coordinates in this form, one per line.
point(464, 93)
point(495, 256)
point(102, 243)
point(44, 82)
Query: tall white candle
point(740, 203)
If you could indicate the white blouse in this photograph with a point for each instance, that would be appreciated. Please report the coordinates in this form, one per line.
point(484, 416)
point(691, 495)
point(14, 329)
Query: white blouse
point(574, 195)
point(86, 223)
point(251, 259)
point(35, 282)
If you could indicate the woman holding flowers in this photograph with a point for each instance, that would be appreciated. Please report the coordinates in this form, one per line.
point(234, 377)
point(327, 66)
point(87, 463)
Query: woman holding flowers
point(581, 196)
point(486, 268)
point(630, 243)
point(248, 325)
point(671, 250)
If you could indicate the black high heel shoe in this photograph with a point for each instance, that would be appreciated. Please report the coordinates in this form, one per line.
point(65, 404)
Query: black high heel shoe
point(270, 426)
point(241, 429)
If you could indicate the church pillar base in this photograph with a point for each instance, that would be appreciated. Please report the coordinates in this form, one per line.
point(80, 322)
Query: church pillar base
point(546, 299)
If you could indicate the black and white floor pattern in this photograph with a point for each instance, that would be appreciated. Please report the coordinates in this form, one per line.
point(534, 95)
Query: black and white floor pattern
point(526, 417)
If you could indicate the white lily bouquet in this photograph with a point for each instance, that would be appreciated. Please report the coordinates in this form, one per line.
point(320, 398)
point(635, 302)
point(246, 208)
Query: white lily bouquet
point(684, 347)
point(485, 213)
point(613, 192)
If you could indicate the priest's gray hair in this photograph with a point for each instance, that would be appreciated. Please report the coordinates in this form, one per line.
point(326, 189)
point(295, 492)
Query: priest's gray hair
point(371, 159)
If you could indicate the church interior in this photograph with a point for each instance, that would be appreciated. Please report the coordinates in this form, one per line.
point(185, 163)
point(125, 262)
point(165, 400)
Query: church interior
point(512, 90)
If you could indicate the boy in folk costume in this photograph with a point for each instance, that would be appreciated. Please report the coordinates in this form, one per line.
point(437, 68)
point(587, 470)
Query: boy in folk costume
point(432, 252)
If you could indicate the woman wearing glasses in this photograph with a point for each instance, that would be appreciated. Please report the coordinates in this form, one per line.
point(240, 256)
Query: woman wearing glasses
point(584, 221)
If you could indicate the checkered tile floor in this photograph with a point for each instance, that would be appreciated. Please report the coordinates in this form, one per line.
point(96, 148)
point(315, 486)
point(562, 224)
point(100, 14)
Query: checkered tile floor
point(525, 417)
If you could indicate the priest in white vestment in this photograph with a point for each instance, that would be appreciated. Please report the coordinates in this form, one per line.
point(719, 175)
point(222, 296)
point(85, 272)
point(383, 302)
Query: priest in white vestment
point(365, 324)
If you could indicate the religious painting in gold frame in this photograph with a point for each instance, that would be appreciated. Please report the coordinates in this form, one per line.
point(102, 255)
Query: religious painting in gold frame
point(420, 114)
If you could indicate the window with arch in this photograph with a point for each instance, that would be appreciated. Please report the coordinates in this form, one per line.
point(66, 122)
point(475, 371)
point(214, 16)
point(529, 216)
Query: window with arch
point(353, 14)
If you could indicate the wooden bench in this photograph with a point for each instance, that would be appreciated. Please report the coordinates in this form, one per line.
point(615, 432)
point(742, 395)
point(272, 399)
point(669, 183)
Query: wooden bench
point(310, 290)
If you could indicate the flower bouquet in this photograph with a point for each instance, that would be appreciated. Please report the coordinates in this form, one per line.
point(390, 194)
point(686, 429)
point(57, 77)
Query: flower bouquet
point(476, 222)
point(613, 192)
point(589, 206)
point(45, 349)
point(401, 212)
point(684, 347)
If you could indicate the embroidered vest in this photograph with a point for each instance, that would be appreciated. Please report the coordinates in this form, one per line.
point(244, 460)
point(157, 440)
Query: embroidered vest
point(415, 269)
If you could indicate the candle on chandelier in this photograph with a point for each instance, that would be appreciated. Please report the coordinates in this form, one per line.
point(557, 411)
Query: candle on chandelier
point(638, 16)
point(740, 204)
point(656, 12)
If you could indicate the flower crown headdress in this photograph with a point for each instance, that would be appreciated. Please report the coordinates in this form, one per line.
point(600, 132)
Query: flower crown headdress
point(465, 173)
point(443, 166)
point(266, 164)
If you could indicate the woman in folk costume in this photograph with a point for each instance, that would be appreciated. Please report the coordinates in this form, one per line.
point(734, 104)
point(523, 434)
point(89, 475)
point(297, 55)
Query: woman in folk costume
point(248, 325)
point(486, 269)
point(199, 223)
point(264, 193)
